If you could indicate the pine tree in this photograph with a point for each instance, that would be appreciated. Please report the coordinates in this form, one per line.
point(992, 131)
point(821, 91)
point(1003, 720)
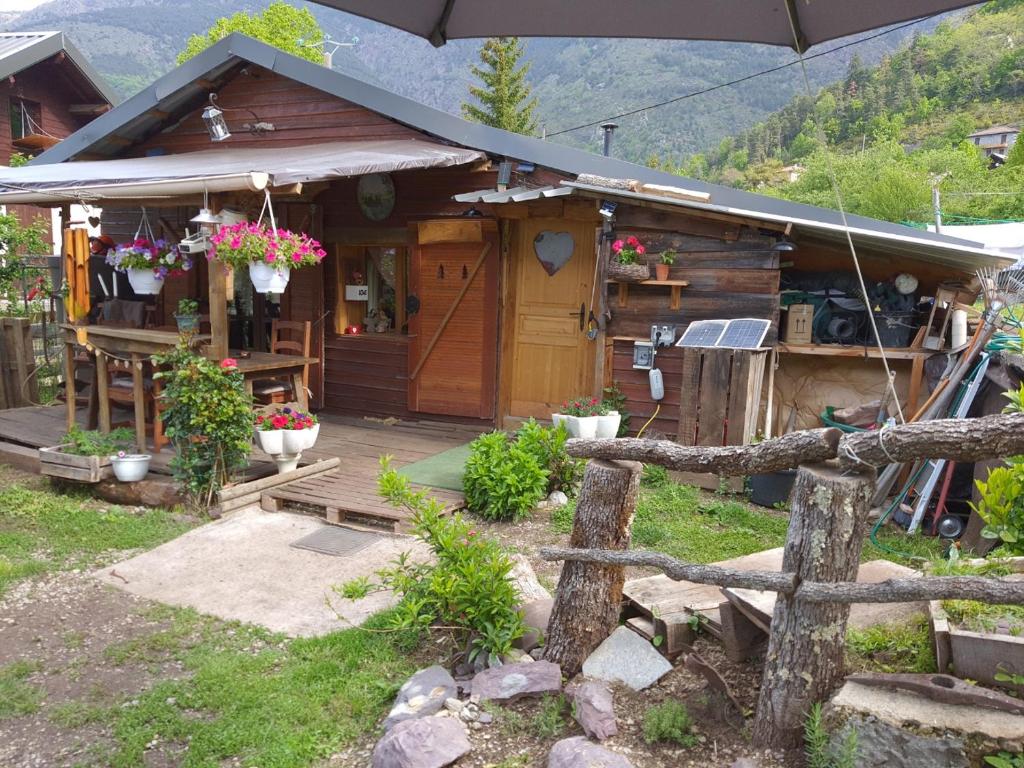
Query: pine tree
point(504, 96)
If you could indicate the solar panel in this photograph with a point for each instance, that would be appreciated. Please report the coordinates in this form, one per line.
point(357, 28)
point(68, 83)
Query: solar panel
point(702, 333)
point(741, 333)
point(744, 333)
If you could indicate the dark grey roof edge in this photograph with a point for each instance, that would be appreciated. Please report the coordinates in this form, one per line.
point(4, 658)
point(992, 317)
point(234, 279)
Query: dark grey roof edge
point(50, 44)
point(447, 127)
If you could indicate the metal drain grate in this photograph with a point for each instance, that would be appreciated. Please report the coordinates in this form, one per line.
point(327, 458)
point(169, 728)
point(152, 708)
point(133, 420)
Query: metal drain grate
point(335, 540)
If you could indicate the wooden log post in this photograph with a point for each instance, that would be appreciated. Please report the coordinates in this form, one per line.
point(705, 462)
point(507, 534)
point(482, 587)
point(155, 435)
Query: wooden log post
point(588, 598)
point(804, 661)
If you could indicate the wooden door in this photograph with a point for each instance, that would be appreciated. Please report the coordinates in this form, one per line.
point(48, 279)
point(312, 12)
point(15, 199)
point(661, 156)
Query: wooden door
point(452, 352)
point(551, 357)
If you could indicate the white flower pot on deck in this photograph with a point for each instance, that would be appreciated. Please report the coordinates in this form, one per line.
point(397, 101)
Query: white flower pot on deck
point(130, 468)
point(270, 440)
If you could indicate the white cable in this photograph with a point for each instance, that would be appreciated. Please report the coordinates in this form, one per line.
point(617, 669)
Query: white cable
point(890, 379)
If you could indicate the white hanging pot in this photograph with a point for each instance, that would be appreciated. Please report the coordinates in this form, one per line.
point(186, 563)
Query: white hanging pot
point(270, 440)
point(145, 281)
point(267, 278)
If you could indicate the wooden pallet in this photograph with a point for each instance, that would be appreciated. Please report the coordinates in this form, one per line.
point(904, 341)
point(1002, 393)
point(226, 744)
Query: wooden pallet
point(351, 501)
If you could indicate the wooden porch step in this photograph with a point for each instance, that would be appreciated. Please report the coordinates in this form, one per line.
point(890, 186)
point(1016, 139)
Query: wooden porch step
point(352, 501)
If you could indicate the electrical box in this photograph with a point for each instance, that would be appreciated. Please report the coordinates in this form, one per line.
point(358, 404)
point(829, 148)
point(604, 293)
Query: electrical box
point(643, 355)
point(663, 335)
point(799, 324)
point(657, 384)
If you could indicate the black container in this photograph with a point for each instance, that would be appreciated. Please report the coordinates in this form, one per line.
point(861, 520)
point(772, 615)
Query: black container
point(772, 488)
point(896, 329)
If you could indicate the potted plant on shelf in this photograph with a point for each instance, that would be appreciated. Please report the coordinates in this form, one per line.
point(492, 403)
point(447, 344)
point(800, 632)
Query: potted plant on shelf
point(626, 264)
point(130, 467)
point(665, 262)
point(187, 316)
point(148, 263)
point(269, 254)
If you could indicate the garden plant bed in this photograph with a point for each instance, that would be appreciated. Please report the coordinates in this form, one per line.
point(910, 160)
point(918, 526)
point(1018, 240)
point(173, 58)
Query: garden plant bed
point(56, 462)
point(979, 642)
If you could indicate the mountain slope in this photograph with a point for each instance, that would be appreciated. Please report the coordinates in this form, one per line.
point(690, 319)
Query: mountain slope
point(577, 81)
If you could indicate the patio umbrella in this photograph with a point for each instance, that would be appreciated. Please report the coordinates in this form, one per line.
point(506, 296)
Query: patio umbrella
point(748, 21)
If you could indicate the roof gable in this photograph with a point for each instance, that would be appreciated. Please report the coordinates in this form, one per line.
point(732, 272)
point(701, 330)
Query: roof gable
point(21, 50)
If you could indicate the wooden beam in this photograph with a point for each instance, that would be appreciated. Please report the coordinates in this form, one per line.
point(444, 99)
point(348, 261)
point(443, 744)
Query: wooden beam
point(218, 296)
point(88, 109)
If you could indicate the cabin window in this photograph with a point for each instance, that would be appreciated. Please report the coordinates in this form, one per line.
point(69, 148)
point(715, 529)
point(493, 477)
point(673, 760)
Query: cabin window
point(26, 118)
point(371, 290)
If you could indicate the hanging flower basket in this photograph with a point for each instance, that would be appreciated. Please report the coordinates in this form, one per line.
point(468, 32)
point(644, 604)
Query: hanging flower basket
point(145, 282)
point(267, 278)
point(628, 273)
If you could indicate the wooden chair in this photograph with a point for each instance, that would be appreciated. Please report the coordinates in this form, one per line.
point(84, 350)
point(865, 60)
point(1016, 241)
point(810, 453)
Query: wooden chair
point(120, 393)
point(268, 391)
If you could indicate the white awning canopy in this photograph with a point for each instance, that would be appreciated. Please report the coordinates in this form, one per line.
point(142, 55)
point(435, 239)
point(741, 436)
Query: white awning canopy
point(222, 169)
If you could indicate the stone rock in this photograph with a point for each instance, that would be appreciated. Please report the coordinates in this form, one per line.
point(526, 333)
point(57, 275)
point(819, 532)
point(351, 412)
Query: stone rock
point(593, 708)
point(516, 656)
point(625, 657)
point(880, 744)
point(525, 580)
point(426, 742)
point(537, 653)
point(422, 695)
point(578, 752)
point(744, 762)
point(514, 681)
point(557, 499)
point(536, 615)
point(453, 705)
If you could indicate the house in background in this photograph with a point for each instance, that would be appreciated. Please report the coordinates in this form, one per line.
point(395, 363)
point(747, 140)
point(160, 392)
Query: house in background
point(995, 140)
point(48, 90)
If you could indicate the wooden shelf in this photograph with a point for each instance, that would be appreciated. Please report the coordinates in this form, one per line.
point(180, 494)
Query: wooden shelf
point(675, 300)
point(838, 350)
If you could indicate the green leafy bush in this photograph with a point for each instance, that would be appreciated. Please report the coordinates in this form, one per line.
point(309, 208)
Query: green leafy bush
point(466, 590)
point(208, 417)
point(1001, 505)
point(670, 722)
point(1005, 760)
point(817, 748)
point(81, 442)
point(503, 480)
point(547, 445)
point(614, 399)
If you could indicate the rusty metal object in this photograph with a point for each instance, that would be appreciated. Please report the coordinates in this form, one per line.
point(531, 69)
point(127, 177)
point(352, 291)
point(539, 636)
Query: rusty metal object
point(945, 689)
point(697, 665)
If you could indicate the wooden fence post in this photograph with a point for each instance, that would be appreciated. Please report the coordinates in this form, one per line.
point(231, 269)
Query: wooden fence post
point(804, 662)
point(587, 602)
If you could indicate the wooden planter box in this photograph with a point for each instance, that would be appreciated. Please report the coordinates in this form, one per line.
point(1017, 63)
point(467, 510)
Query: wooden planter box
point(67, 466)
point(976, 655)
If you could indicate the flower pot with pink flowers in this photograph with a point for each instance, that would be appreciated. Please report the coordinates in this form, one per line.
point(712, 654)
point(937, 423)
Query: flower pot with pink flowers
point(269, 253)
point(285, 434)
point(627, 264)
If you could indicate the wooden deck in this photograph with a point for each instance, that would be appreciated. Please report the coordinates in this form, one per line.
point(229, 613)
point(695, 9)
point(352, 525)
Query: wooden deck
point(352, 489)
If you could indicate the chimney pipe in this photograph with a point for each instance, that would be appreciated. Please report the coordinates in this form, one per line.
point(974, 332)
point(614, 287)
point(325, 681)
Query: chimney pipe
point(609, 129)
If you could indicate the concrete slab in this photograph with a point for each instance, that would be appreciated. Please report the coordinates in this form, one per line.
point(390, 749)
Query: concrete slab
point(758, 606)
point(241, 567)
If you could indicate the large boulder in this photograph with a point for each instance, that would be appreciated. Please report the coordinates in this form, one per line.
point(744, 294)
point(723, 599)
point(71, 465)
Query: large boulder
point(593, 708)
point(423, 694)
point(536, 615)
point(426, 742)
point(578, 752)
point(514, 681)
point(625, 657)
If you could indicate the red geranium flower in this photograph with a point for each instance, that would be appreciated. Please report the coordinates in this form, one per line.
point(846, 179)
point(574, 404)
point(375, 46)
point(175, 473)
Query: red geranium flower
point(229, 364)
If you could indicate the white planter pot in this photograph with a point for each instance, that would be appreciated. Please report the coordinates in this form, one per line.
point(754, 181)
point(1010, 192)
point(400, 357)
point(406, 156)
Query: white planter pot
point(582, 426)
point(287, 462)
point(311, 435)
point(558, 418)
point(294, 440)
point(608, 424)
point(270, 440)
point(268, 279)
point(144, 281)
point(130, 468)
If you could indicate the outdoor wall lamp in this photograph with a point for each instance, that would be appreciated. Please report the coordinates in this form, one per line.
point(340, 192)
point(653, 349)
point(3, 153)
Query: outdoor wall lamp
point(217, 127)
point(784, 245)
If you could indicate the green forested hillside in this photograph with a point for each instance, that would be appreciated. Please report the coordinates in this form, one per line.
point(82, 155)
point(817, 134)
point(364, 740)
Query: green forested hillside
point(895, 128)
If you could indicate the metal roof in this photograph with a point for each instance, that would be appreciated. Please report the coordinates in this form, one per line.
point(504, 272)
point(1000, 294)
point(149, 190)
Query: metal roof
point(967, 256)
point(186, 88)
point(21, 50)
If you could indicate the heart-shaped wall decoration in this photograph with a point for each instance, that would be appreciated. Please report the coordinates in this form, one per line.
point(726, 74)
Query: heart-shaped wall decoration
point(94, 221)
point(553, 249)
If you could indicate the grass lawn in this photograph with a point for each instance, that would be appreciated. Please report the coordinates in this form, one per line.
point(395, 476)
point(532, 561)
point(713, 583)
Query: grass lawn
point(42, 530)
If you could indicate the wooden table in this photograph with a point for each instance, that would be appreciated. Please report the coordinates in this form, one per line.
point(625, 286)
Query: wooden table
point(134, 344)
point(270, 365)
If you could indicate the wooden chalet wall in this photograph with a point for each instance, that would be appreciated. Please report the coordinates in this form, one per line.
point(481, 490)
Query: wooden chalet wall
point(732, 272)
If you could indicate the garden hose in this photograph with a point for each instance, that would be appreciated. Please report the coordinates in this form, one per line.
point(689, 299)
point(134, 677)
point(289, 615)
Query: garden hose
point(648, 422)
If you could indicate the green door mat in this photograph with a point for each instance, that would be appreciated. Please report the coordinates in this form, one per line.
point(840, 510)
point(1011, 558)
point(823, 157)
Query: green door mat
point(443, 470)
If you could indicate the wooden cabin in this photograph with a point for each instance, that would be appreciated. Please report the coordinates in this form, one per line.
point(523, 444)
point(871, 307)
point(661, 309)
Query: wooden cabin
point(432, 226)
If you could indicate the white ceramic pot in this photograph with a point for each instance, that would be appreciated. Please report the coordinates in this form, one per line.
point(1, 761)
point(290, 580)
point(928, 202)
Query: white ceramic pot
point(287, 462)
point(145, 281)
point(294, 440)
point(558, 418)
point(582, 426)
point(268, 279)
point(311, 435)
point(608, 424)
point(270, 440)
point(130, 468)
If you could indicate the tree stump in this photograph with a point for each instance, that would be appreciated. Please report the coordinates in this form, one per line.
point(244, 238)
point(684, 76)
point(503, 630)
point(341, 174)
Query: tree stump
point(804, 661)
point(589, 595)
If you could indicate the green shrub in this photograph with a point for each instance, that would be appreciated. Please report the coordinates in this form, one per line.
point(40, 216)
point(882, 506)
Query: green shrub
point(1005, 760)
point(547, 446)
point(817, 747)
point(669, 721)
point(550, 718)
point(466, 590)
point(81, 442)
point(654, 476)
point(1001, 503)
point(503, 480)
point(614, 399)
